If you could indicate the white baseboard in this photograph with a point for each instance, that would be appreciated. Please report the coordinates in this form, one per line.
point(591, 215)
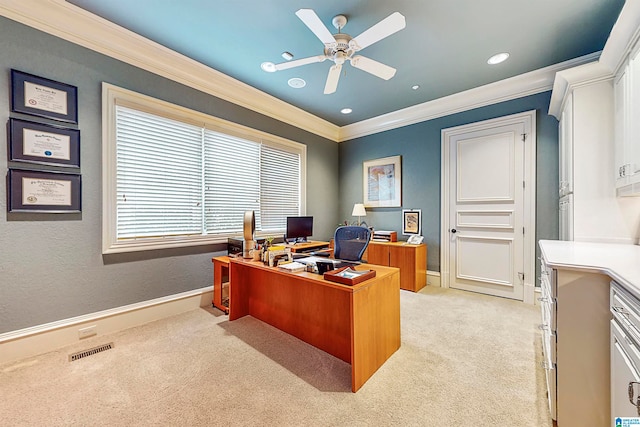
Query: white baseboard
point(42, 339)
point(433, 278)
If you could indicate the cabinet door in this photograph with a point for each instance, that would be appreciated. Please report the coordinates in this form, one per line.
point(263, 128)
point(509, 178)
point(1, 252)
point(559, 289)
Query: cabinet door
point(622, 373)
point(632, 141)
point(621, 108)
point(404, 258)
point(566, 217)
point(412, 262)
point(565, 155)
point(377, 254)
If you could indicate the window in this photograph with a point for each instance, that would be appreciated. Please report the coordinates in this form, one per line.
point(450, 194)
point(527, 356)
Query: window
point(177, 177)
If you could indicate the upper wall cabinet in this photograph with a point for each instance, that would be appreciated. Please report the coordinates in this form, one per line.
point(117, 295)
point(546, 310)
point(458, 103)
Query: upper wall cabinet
point(627, 126)
point(582, 100)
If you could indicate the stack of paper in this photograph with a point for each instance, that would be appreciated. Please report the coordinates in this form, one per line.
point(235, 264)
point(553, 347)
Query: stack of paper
point(293, 267)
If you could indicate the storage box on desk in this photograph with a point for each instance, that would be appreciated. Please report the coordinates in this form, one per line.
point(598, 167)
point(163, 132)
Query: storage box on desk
point(340, 276)
point(278, 252)
point(385, 236)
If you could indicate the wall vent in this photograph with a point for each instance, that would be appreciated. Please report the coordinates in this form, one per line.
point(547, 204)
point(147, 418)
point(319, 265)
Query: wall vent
point(90, 352)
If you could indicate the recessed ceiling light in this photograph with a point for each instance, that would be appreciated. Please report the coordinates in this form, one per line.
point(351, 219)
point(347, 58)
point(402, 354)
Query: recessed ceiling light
point(269, 67)
point(297, 83)
point(288, 56)
point(498, 58)
point(415, 87)
point(346, 110)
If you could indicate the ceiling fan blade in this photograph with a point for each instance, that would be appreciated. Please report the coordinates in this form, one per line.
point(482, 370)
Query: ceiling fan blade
point(299, 62)
point(389, 25)
point(311, 20)
point(376, 68)
point(332, 79)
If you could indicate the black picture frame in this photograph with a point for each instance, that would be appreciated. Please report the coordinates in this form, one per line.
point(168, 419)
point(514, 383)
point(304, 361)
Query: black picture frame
point(46, 144)
point(43, 97)
point(411, 222)
point(43, 191)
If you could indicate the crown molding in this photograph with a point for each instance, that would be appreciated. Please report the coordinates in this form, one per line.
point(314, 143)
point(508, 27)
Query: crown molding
point(504, 90)
point(623, 36)
point(71, 23)
point(568, 80)
point(76, 25)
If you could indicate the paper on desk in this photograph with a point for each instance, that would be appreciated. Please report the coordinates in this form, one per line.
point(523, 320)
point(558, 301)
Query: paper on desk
point(314, 259)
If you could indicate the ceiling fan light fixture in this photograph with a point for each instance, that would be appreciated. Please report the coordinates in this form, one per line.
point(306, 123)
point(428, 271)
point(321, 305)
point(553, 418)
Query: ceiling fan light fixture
point(269, 67)
point(498, 58)
point(340, 48)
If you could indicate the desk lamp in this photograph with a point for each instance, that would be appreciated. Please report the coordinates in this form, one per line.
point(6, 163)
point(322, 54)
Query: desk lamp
point(359, 211)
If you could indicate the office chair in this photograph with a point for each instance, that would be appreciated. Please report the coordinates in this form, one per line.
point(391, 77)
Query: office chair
point(350, 242)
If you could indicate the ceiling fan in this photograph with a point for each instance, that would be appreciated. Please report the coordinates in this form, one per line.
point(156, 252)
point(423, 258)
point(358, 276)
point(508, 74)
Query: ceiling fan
point(341, 47)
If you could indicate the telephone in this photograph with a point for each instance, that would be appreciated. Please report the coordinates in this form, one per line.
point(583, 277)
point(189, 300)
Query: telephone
point(415, 239)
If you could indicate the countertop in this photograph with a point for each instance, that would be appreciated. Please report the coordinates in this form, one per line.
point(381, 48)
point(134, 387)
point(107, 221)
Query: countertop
point(618, 261)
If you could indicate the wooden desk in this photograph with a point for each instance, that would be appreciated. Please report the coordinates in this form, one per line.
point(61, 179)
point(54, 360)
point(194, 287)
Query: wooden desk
point(359, 324)
point(307, 246)
point(220, 273)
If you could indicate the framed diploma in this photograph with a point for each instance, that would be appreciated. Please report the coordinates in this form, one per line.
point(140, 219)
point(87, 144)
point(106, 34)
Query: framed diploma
point(45, 144)
point(39, 191)
point(43, 97)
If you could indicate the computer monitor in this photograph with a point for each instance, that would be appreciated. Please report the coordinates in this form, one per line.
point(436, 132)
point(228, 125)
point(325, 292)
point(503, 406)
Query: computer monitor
point(299, 228)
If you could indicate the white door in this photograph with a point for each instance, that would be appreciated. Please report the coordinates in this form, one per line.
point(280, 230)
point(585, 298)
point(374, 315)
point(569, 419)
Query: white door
point(486, 188)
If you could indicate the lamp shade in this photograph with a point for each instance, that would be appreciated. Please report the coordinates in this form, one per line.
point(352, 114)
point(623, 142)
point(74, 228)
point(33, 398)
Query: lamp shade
point(358, 210)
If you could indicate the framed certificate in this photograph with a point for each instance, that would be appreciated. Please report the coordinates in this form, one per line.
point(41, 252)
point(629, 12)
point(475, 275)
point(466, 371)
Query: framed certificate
point(44, 144)
point(39, 191)
point(43, 97)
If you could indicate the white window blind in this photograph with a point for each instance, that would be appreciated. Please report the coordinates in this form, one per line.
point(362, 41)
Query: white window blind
point(176, 177)
point(159, 168)
point(232, 181)
point(280, 189)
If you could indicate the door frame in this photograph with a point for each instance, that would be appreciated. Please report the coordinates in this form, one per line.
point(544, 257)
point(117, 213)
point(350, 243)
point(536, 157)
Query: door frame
point(528, 118)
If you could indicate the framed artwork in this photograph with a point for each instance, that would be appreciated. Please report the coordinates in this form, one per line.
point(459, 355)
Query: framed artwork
point(44, 144)
point(40, 191)
point(43, 97)
point(411, 222)
point(382, 180)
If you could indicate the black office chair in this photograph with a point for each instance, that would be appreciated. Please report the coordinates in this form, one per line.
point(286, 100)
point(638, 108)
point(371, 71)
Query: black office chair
point(350, 242)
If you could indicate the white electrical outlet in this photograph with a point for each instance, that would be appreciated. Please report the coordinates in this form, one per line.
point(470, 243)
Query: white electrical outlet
point(89, 331)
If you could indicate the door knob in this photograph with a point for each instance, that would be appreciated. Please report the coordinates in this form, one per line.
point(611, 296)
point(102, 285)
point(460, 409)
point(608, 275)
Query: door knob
point(453, 230)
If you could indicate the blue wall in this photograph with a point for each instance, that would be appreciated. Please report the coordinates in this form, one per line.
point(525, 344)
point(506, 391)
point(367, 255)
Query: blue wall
point(419, 146)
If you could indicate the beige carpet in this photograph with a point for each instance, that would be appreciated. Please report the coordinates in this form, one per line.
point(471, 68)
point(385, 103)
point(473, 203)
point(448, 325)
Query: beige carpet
point(465, 360)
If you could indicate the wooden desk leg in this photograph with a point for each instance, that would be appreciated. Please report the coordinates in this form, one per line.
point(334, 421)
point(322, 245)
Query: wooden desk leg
point(219, 268)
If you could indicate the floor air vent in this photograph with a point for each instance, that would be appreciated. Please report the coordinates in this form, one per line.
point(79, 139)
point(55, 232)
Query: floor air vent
point(90, 352)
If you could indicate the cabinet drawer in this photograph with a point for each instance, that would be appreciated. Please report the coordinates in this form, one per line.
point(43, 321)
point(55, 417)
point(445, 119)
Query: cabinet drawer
point(626, 310)
point(548, 337)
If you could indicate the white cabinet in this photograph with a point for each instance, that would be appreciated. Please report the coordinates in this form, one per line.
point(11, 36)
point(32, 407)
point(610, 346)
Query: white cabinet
point(625, 354)
point(589, 116)
point(627, 126)
point(623, 373)
point(586, 183)
point(575, 342)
